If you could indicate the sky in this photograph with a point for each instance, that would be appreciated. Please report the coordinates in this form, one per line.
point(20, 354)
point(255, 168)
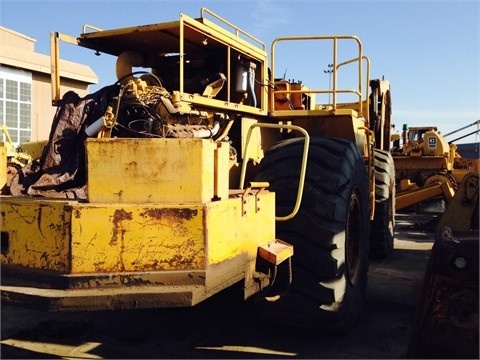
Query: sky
point(428, 50)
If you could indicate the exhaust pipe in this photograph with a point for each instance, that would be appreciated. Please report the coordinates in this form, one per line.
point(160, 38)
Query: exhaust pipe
point(125, 62)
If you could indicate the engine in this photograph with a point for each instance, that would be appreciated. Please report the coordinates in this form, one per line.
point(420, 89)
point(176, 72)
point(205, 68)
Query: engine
point(145, 108)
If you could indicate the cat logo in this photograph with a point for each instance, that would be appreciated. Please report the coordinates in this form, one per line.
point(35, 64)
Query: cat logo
point(432, 142)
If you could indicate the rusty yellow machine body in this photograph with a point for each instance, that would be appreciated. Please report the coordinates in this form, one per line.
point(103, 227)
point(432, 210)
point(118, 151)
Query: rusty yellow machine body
point(12, 158)
point(14, 154)
point(446, 321)
point(427, 166)
point(185, 250)
point(175, 183)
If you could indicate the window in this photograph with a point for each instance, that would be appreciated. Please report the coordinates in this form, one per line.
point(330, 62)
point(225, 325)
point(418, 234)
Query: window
point(16, 104)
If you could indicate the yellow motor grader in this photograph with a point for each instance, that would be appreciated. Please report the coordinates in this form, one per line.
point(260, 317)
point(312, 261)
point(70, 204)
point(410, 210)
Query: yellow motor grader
point(427, 165)
point(200, 168)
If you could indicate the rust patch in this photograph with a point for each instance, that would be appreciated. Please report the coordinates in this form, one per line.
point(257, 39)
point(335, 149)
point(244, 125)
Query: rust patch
point(118, 231)
point(133, 281)
point(131, 165)
point(39, 221)
point(49, 261)
point(180, 261)
point(163, 213)
point(121, 214)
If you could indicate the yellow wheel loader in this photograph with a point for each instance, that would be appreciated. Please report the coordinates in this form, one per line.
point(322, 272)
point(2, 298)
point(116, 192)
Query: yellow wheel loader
point(13, 158)
point(200, 168)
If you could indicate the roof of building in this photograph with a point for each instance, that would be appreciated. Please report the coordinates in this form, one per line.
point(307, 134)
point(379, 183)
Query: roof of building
point(19, 57)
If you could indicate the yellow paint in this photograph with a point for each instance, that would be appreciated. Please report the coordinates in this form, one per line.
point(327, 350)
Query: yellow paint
point(275, 252)
point(232, 234)
point(256, 152)
point(38, 233)
point(80, 238)
point(34, 148)
point(156, 170)
point(460, 212)
point(3, 165)
point(113, 238)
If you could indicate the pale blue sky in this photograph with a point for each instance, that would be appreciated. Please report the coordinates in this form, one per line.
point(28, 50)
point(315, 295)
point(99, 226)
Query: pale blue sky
point(428, 50)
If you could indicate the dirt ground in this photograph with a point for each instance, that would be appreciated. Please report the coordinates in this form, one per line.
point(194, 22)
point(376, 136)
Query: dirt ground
point(227, 327)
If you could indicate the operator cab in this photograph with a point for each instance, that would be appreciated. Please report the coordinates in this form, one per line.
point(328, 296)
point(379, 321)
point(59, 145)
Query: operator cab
point(417, 134)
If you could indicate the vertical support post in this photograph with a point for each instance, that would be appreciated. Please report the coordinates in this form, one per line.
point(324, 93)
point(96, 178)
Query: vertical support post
point(54, 66)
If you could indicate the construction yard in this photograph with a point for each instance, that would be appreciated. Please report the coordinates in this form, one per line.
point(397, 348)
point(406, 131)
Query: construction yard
point(177, 211)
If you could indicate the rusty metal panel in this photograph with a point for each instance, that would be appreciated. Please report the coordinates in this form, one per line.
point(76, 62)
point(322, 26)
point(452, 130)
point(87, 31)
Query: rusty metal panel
point(73, 237)
point(130, 255)
point(156, 170)
point(77, 238)
point(36, 233)
point(446, 322)
point(132, 237)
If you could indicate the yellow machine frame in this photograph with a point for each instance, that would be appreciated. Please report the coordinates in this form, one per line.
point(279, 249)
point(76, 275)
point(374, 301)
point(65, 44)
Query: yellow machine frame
point(165, 233)
point(170, 222)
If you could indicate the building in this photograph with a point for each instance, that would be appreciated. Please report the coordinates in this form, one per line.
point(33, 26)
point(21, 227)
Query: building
point(469, 150)
point(25, 87)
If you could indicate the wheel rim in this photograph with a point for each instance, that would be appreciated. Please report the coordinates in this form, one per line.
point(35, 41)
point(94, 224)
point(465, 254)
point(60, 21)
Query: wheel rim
point(353, 237)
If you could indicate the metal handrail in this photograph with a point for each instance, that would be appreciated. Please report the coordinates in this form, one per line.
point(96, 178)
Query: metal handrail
point(367, 84)
point(335, 66)
point(238, 31)
point(303, 168)
point(91, 27)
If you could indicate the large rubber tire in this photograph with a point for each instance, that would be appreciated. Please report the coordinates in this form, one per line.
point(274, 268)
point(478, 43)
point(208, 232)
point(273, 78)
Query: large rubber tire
point(330, 234)
point(383, 223)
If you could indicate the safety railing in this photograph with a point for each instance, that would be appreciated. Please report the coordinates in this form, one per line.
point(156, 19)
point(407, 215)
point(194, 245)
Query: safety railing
point(335, 91)
point(303, 166)
point(237, 31)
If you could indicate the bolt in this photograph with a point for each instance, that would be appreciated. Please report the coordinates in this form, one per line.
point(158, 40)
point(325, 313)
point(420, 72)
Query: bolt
point(460, 262)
